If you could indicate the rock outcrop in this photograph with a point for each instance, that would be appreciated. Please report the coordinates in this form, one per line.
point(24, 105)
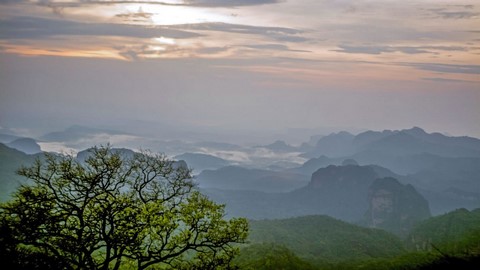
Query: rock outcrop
point(395, 207)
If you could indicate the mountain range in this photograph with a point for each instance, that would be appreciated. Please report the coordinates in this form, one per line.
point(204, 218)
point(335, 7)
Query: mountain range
point(200, 161)
point(444, 170)
point(362, 200)
point(346, 192)
point(375, 145)
point(239, 178)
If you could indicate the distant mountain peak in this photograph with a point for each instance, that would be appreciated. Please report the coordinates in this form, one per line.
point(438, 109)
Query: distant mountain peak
point(349, 161)
point(342, 177)
point(278, 143)
point(280, 146)
point(344, 134)
point(77, 132)
point(26, 145)
point(415, 131)
point(202, 161)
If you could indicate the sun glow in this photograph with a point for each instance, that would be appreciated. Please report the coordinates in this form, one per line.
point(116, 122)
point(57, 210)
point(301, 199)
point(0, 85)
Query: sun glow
point(164, 40)
point(171, 15)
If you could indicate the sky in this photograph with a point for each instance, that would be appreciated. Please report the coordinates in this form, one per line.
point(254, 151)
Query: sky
point(240, 67)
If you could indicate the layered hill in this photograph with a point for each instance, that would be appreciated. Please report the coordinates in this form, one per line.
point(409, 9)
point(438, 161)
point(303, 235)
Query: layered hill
point(338, 191)
point(457, 231)
point(322, 238)
point(386, 148)
point(200, 162)
point(444, 169)
point(321, 242)
point(10, 161)
point(239, 178)
point(26, 145)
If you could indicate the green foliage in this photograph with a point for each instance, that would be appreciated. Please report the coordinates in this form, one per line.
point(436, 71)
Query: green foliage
point(322, 242)
point(413, 261)
point(322, 238)
point(111, 212)
point(269, 257)
point(10, 160)
point(454, 232)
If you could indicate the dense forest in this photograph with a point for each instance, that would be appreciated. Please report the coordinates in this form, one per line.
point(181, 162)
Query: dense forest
point(321, 242)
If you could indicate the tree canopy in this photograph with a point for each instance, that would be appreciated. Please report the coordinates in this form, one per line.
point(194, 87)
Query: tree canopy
point(112, 211)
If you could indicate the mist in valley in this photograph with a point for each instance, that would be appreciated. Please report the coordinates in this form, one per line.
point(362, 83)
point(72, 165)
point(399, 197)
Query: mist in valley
point(239, 134)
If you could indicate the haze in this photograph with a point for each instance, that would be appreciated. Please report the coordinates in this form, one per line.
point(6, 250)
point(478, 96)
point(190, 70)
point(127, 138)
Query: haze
point(240, 69)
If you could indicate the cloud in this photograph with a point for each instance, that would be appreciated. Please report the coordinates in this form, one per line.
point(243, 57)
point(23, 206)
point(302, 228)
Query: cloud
point(197, 3)
point(212, 50)
point(152, 50)
point(140, 15)
point(402, 49)
point(277, 33)
point(278, 47)
point(230, 3)
point(57, 147)
point(445, 68)
point(363, 49)
point(8, 2)
point(465, 6)
point(137, 52)
point(457, 14)
point(454, 12)
point(275, 47)
point(41, 28)
point(443, 80)
point(230, 155)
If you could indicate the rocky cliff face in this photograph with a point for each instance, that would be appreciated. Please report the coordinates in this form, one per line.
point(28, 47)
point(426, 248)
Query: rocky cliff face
point(395, 207)
point(338, 191)
point(343, 177)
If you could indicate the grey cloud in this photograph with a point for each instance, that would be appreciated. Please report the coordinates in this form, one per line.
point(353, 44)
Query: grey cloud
point(378, 49)
point(445, 68)
point(130, 54)
point(277, 33)
point(436, 79)
point(389, 49)
point(212, 50)
point(239, 28)
point(446, 48)
point(368, 33)
point(454, 12)
point(38, 28)
point(6, 2)
point(229, 3)
point(140, 52)
point(200, 3)
point(457, 14)
point(136, 16)
point(279, 47)
point(276, 47)
point(134, 53)
point(288, 38)
point(465, 6)
point(144, 51)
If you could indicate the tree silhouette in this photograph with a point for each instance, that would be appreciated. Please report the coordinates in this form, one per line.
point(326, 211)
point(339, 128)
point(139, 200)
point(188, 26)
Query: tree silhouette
point(112, 211)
